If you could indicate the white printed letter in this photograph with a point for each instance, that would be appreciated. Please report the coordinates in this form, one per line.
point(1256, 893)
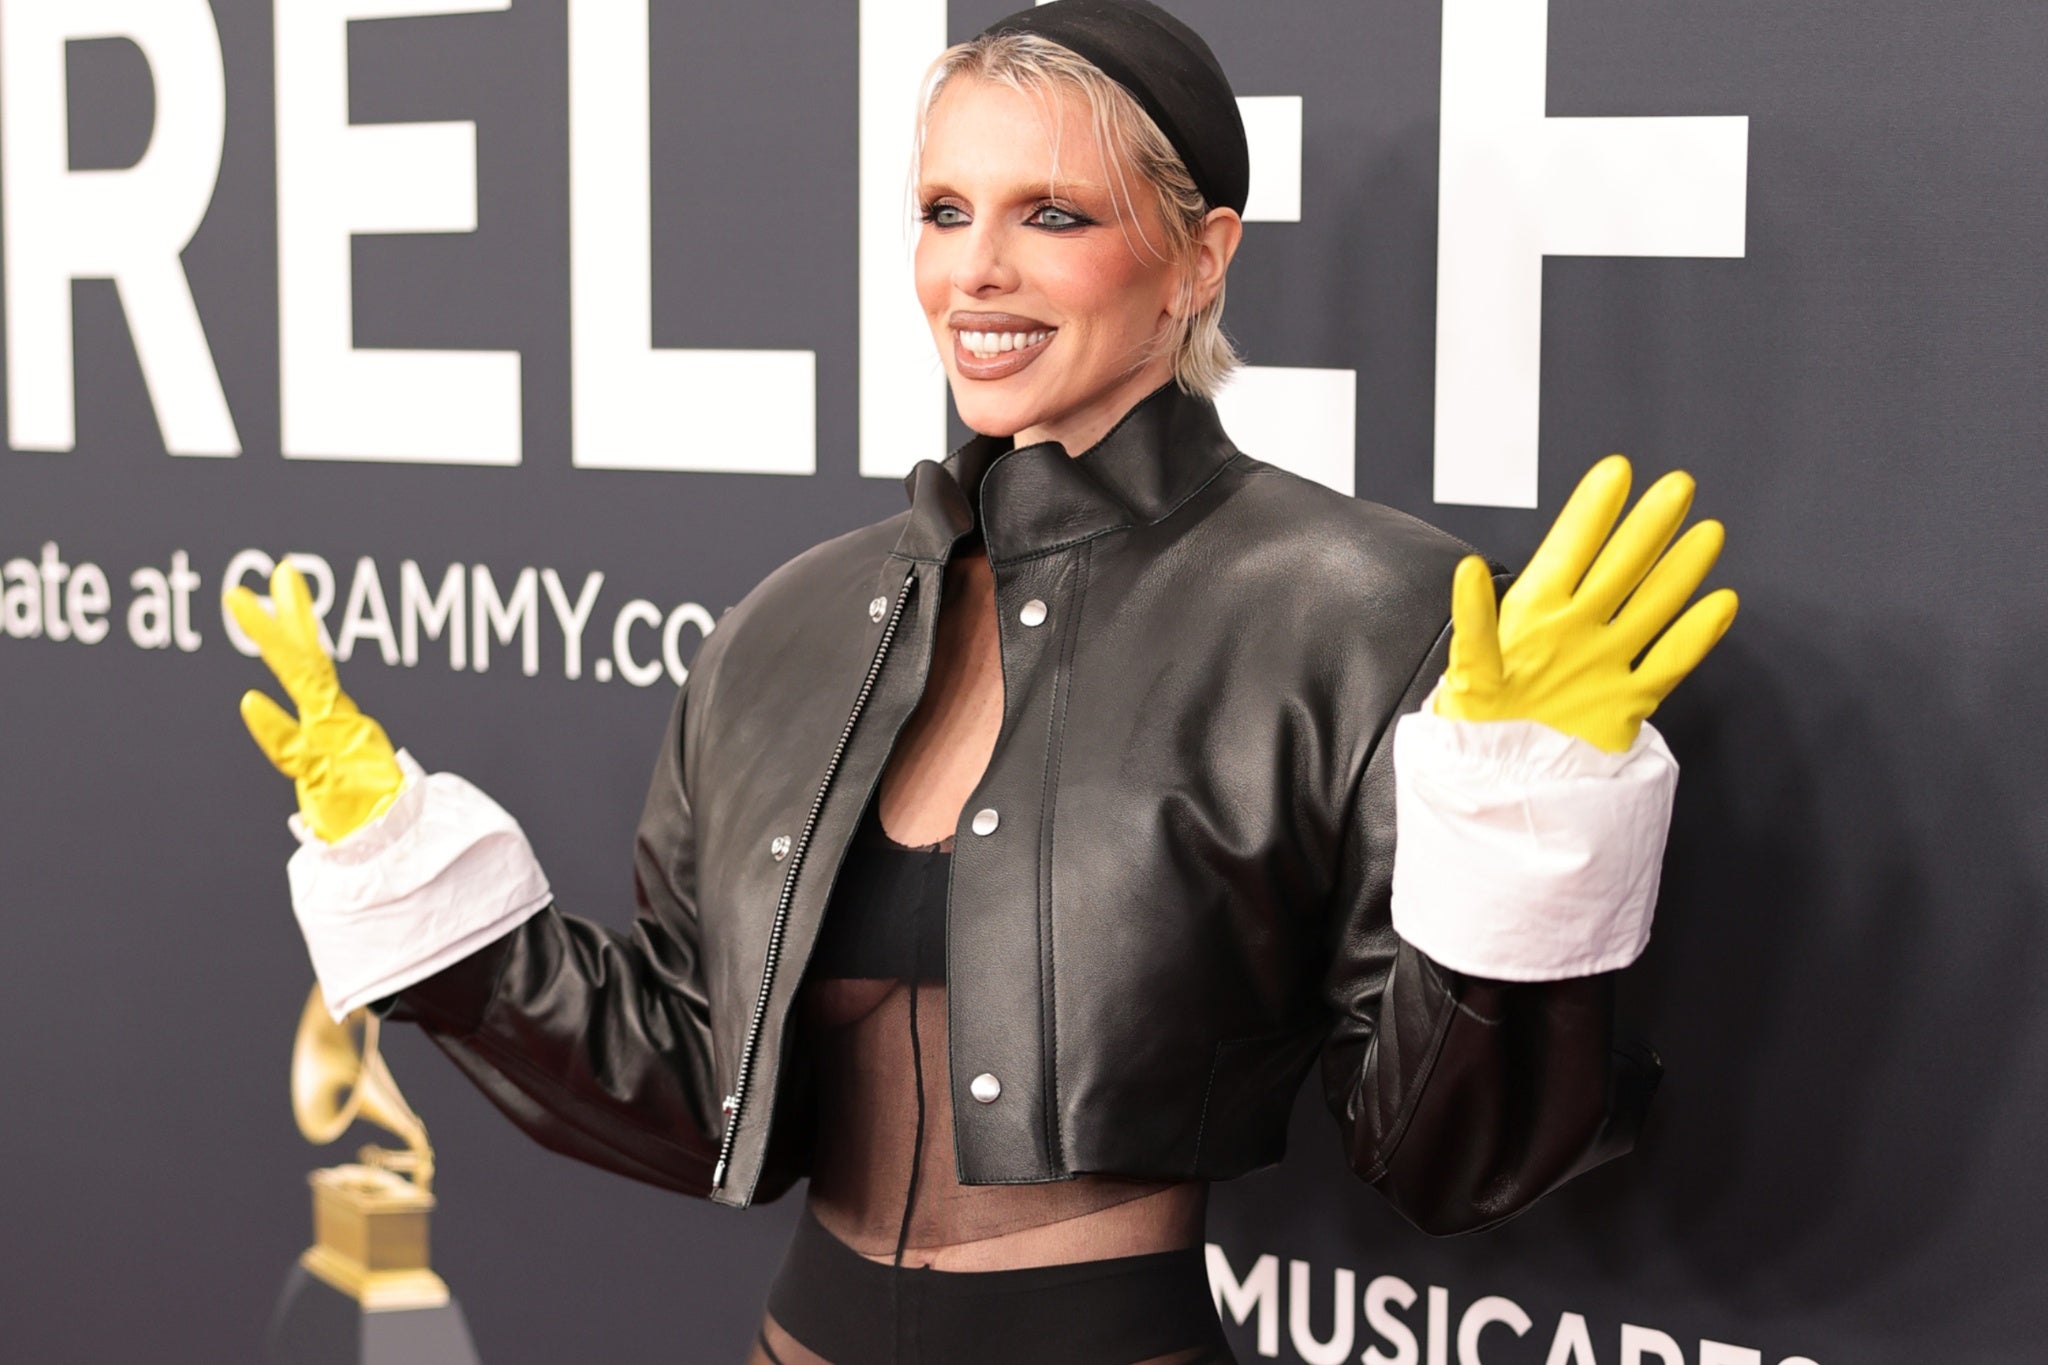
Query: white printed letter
point(517, 615)
point(902, 386)
point(1260, 1290)
point(367, 617)
point(1573, 1344)
point(1638, 1344)
point(335, 182)
point(86, 601)
point(1386, 1289)
point(149, 614)
point(741, 412)
point(636, 612)
point(420, 612)
point(1516, 186)
point(572, 616)
point(688, 614)
point(129, 226)
point(1482, 1315)
point(1720, 1353)
point(1343, 1327)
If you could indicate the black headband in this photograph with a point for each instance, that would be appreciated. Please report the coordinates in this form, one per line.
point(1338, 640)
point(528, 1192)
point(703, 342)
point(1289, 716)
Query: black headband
point(1168, 69)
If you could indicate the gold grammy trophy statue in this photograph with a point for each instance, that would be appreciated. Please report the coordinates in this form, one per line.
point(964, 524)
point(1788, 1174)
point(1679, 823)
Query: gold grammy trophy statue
point(363, 1292)
point(369, 1218)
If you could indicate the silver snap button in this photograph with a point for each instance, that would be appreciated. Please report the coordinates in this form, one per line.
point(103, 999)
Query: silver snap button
point(985, 1088)
point(778, 847)
point(878, 608)
point(985, 821)
point(1033, 613)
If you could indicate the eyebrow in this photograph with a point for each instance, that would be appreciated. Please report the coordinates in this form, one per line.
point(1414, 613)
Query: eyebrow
point(932, 189)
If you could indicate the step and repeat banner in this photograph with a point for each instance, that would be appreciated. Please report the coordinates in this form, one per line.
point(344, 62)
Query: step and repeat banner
point(538, 331)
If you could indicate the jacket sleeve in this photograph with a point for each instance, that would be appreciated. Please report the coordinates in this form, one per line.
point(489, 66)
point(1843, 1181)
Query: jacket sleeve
point(1460, 1098)
point(597, 1043)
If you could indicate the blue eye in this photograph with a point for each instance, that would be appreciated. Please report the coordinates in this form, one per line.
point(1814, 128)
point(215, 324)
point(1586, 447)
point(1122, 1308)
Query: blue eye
point(943, 215)
point(1057, 219)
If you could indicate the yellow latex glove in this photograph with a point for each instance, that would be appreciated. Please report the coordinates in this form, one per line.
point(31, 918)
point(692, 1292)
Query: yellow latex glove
point(1561, 646)
point(340, 759)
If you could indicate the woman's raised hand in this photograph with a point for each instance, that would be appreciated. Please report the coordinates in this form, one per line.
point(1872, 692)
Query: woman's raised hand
point(1561, 647)
point(339, 758)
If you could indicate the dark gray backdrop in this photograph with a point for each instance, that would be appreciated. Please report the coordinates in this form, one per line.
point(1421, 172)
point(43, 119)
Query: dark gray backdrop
point(1844, 1163)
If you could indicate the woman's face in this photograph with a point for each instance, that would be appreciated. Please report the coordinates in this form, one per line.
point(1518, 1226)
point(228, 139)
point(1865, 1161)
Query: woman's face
point(1050, 323)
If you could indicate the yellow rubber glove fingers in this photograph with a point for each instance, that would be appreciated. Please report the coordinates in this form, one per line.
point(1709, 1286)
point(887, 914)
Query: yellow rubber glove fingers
point(1472, 678)
point(274, 731)
point(341, 760)
point(1574, 539)
point(1560, 647)
point(288, 635)
point(306, 675)
point(315, 686)
point(1555, 677)
point(1669, 586)
point(258, 624)
point(1632, 551)
point(349, 777)
point(1688, 641)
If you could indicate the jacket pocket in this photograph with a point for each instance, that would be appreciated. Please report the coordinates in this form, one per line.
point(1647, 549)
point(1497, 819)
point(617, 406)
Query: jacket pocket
point(1252, 1083)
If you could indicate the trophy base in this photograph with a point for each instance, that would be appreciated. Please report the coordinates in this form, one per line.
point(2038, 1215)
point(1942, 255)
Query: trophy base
point(370, 1238)
point(317, 1323)
point(378, 1291)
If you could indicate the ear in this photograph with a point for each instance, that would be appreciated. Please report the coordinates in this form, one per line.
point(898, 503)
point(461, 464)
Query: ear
point(1215, 245)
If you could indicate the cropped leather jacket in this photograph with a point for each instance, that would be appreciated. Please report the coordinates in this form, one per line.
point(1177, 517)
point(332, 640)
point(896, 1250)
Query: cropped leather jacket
point(1170, 890)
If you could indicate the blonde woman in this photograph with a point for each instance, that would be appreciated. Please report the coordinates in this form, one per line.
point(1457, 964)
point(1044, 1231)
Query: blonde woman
point(1008, 864)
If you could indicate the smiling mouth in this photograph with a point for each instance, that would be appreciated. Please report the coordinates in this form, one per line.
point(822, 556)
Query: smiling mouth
point(990, 353)
point(989, 345)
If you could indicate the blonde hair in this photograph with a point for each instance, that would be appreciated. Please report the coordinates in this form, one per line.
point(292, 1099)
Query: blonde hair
point(1129, 140)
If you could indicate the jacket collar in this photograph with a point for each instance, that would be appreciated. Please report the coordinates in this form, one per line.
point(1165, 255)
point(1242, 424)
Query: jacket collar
point(1038, 498)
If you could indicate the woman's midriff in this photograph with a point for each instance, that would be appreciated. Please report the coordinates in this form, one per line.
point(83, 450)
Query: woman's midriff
point(1166, 1220)
point(884, 1179)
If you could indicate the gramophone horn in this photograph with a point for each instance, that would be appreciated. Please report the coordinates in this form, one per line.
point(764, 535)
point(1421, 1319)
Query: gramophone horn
point(326, 1060)
point(339, 1077)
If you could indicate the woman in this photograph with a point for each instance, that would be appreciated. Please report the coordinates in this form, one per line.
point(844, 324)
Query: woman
point(1008, 863)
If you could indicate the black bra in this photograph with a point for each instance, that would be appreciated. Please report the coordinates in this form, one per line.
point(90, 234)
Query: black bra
point(887, 916)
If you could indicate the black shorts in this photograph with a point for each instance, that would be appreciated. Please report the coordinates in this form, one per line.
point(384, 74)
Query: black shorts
point(854, 1311)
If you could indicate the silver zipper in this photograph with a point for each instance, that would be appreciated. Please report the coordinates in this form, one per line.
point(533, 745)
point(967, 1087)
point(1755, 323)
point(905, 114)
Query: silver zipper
point(735, 1102)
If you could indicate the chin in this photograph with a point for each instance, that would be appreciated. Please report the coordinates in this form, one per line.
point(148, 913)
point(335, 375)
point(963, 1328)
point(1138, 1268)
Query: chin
point(993, 414)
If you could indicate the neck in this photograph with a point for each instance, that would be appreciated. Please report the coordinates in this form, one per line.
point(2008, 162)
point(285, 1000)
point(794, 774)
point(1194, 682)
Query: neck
point(1083, 428)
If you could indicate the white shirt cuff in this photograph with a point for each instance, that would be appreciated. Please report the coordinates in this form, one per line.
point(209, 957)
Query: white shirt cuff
point(442, 872)
point(1523, 853)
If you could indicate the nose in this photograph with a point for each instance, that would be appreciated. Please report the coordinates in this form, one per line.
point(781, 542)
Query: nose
point(983, 268)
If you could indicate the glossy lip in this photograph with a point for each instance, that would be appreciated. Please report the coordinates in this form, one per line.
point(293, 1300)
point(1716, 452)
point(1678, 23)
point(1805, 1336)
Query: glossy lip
point(971, 366)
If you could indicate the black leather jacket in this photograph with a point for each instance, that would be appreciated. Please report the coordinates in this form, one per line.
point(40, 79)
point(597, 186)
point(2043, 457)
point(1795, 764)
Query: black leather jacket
point(1183, 902)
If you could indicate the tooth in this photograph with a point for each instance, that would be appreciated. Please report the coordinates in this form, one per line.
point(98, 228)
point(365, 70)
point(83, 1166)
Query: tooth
point(1009, 341)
